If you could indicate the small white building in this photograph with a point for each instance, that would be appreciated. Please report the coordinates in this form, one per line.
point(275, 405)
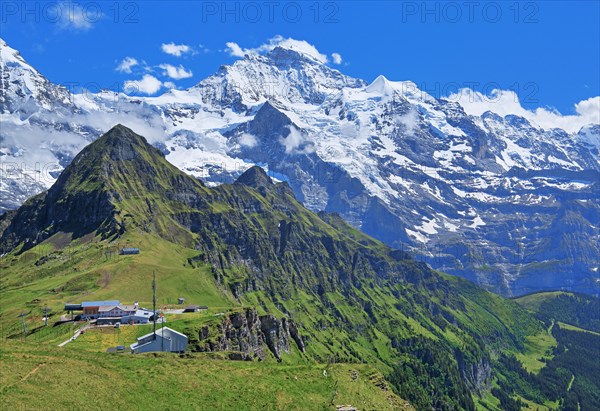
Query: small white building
point(166, 340)
point(140, 317)
point(115, 310)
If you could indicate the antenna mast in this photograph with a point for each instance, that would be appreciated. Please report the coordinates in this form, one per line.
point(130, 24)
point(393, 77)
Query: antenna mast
point(154, 303)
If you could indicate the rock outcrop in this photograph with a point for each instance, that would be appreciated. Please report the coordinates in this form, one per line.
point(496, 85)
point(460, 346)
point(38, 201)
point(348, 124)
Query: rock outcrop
point(477, 375)
point(250, 336)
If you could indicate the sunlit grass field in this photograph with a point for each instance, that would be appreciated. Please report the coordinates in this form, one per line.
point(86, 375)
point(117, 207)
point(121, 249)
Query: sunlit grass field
point(37, 377)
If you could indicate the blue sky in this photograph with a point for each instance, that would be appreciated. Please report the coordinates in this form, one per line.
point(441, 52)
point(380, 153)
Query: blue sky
point(547, 51)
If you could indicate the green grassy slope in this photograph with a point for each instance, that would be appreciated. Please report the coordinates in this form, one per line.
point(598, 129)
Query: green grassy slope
point(39, 377)
point(562, 362)
point(397, 325)
point(575, 309)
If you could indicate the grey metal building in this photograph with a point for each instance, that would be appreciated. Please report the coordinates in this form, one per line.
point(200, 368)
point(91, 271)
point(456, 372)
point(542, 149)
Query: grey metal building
point(166, 340)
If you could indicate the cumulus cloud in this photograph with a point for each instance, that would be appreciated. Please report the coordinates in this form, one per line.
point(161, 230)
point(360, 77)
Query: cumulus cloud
point(127, 64)
point(147, 85)
point(300, 46)
point(73, 17)
point(337, 58)
point(248, 140)
point(504, 102)
point(589, 108)
point(169, 84)
point(176, 73)
point(235, 50)
point(296, 142)
point(176, 50)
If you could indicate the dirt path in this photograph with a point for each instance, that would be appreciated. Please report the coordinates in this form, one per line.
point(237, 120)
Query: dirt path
point(29, 374)
point(571, 383)
point(551, 327)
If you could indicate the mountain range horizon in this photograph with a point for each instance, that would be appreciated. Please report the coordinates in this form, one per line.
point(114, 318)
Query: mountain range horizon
point(495, 198)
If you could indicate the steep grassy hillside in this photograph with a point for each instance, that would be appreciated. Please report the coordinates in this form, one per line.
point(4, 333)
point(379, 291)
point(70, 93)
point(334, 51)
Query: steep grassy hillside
point(570, 378)
point(284, 285)
point(575, 309)
point(563, 363)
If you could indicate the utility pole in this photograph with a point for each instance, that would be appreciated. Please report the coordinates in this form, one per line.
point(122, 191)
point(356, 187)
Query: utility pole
point(154, 303)
point(162, 338)
point(22, 315)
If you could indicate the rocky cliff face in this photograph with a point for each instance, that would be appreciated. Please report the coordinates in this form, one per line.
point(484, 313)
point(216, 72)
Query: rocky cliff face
point(478, 375)
point(249, 336)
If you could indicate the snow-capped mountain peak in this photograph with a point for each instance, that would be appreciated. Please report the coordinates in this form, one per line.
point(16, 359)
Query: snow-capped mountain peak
point(11, 57)
point(289, 74)
point(382, 86)
point(24, 90)
point(590, 135)
point(294, 52)
point(414, 171)
point(300, 47)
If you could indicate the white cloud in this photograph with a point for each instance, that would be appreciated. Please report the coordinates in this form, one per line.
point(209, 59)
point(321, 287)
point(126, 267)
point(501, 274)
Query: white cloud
point(248, 140)
point(176, 49)
point(337, 58)
point(169, 84)
point(147, 85)
point(410, 121)
point(235, 50)
point(300, 46)
point(296, 142)
point(73, 17)
point(504, 102)
point(134, 116)
point(589, 108)
point(127, 64)
point(176, 73)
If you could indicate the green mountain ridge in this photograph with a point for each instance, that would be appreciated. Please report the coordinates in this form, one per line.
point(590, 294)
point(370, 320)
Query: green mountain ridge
point(273, 267)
